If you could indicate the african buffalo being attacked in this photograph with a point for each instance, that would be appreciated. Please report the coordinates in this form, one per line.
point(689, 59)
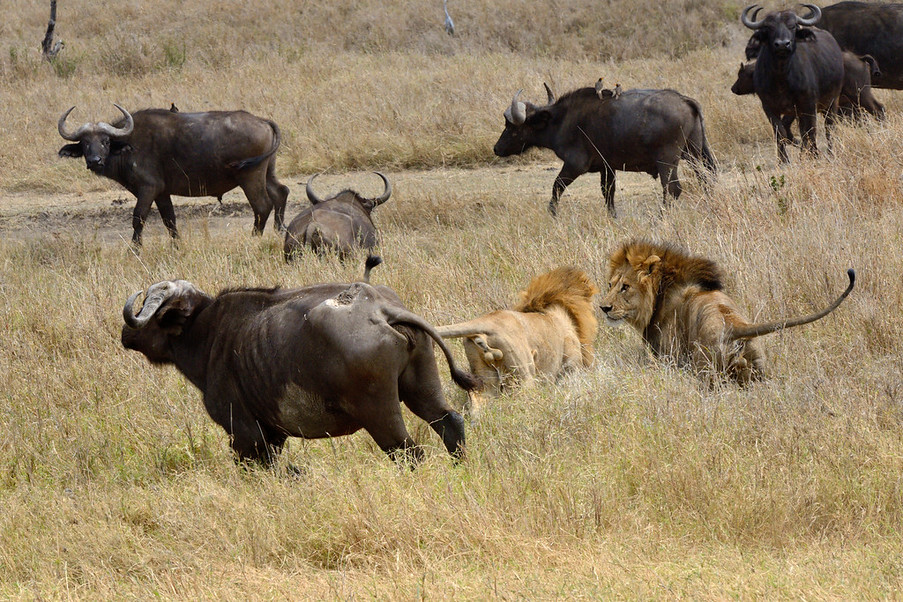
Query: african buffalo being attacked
point(798, 73)
point(873, 28)
point(319, 361)
point(156, 153)
point(637, 130)
point(341, 223)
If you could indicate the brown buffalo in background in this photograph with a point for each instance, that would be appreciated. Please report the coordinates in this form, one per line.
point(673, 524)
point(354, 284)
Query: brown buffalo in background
point(157, 153)
point(341, 223)
point(873, 28)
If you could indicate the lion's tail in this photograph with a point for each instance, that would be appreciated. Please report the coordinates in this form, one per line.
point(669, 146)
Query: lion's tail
point(462, 329)
point(756, 330)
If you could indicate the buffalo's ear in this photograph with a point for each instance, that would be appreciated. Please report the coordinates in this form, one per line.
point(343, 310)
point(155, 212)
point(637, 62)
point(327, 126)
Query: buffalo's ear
point(117, 147)
point(540, 118)
point(177, 312)
point(754, 45)
point(805, 34)
point(71, 150)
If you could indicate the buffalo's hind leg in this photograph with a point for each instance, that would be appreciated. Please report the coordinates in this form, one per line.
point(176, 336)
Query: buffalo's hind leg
point(278, 193)
point(667, 175)
point(807, 121)
point(255, 188)
point(608, 190)
point(420, 388)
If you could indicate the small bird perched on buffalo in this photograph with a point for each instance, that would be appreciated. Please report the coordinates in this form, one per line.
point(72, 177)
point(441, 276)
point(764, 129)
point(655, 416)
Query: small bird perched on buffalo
point(601, 91)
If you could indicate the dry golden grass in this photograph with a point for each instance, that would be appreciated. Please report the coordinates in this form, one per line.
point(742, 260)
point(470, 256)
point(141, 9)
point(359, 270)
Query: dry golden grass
point(629, 480)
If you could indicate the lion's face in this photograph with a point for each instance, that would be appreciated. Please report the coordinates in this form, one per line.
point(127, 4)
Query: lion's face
point(631, 291)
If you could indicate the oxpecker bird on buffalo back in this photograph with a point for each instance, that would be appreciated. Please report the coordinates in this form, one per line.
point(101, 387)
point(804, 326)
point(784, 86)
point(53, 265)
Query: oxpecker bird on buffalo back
point(157, 153)
point(591, 131)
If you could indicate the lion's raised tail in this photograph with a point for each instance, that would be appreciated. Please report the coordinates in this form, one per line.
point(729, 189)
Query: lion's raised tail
point(462, 329)
point(756, 330)
point(478, 333)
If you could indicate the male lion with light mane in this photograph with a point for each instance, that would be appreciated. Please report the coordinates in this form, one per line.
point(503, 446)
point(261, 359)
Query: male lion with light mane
point(676, 302)
point(550, 332)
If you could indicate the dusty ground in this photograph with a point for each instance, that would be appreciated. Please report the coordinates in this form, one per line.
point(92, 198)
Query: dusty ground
point(107, 213)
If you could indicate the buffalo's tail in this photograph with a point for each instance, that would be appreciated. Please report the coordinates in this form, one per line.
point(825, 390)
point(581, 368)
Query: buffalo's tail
point(698, 144)
point(371, 262)
point(462, 378)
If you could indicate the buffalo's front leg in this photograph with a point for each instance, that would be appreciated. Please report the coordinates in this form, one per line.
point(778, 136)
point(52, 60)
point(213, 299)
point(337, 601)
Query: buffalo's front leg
point(780, 135)
point(139, 216)
point(830, 119)
point(567, 175)
point(807, 132)
point(250, 439)
point(168, 213)
point(608, 190)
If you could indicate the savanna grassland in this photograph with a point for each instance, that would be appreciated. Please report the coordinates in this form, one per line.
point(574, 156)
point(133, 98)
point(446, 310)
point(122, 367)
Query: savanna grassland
point(628, 480)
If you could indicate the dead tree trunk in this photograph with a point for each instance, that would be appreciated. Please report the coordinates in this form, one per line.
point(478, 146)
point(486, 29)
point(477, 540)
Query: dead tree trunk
point(49, 50)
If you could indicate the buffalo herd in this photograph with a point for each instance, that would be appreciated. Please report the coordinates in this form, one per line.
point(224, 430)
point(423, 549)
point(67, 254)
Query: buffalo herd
point(330, 359)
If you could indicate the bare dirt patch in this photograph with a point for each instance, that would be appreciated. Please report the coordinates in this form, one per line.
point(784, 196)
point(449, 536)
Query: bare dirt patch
point(437, 193)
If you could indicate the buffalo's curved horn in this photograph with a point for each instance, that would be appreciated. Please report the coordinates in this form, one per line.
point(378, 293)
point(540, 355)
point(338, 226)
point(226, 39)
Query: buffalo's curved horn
point(311, 195)
point(517, 112)
point(386, 193)
point(125, 130)
point(156, 295)
point(66, 134)
point(813, 16)
point(549, 93)
point(750, 21)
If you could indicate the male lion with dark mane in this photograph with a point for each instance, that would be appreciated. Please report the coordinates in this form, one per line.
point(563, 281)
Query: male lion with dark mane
point(550, 332)
point(676, 302)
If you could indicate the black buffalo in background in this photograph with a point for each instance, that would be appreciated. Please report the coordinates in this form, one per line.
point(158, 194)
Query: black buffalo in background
point(871, 28)
point(637, 130)
point(798, 73)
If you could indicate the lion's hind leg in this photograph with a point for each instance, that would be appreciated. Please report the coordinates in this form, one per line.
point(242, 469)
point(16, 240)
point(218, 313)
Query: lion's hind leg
point(483, 361)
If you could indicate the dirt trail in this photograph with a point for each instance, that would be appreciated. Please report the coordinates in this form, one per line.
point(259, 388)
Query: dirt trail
point(107, 214)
